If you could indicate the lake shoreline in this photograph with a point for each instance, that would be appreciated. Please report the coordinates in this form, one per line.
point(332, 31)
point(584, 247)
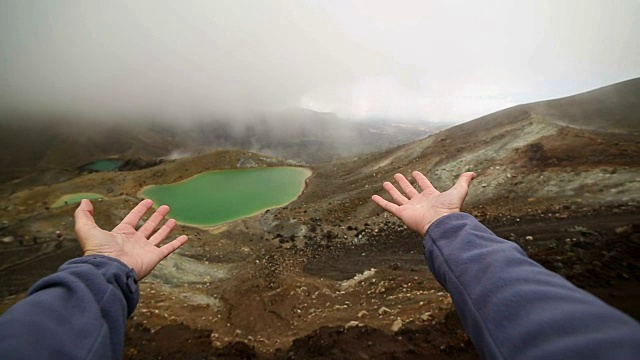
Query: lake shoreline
point(307, 172)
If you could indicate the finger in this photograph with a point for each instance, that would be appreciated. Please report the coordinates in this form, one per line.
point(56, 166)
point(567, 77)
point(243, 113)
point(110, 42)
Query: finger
point(173, 246)
point(395, 194)
point(406, 185)
point(424, 183)
point(388, 206)
point(137, 213)
point(464, 181)
point(154, 220)
point(84, 215)
point(84, 212)
point(163, 232)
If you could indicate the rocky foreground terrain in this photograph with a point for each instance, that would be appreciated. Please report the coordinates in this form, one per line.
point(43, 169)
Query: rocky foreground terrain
point(330, 275)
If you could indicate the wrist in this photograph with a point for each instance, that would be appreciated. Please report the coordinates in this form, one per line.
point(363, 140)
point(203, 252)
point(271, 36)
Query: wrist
point(434, 219)
point(114, 256)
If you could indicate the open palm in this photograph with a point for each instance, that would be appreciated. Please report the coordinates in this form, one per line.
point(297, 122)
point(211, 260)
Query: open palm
point(418, 210)
point(136, 248)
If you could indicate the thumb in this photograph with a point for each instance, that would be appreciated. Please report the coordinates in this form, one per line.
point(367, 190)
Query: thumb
point(84, 215)
point(464, 181)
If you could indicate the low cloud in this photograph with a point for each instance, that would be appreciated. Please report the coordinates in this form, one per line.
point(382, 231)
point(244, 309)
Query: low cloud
point(441, 60)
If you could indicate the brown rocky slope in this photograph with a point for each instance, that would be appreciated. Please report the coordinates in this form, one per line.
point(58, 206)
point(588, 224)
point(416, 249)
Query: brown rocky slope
point(285, 283)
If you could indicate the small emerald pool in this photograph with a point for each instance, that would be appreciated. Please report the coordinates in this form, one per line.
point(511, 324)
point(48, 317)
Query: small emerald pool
point(215, 197)
point(75, 198)
point(104, 165)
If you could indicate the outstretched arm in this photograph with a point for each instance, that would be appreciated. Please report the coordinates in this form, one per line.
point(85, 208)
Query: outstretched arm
point(80, 311)
point(510, 306)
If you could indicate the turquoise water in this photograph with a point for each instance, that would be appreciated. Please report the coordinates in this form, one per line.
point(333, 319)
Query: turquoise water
point(216, 197)
point(75, 198)
point(104, 165)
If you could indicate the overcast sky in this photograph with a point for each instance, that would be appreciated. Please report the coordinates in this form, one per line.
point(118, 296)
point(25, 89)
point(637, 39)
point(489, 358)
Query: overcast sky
point(434, 60)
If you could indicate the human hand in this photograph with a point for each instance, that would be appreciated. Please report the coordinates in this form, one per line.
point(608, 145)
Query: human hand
point(136, 248)
point(419, 210)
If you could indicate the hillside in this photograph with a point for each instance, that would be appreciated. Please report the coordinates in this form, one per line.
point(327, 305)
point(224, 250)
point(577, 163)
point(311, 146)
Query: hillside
point(551, 177)
point(519, 154)
point(611, 108)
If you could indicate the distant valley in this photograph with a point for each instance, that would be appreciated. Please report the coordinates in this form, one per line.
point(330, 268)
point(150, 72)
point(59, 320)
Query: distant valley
point(55, 148)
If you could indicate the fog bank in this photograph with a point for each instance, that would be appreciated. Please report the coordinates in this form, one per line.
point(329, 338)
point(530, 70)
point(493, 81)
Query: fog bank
point(182, 60)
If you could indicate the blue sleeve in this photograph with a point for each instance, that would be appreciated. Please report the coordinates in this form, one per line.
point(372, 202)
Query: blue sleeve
point(513, 308)
point(77, 313)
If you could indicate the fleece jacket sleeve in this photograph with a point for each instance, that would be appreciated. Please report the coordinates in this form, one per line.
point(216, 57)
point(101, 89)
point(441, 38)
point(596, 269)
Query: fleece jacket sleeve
point(77, 313)
point(513, 308)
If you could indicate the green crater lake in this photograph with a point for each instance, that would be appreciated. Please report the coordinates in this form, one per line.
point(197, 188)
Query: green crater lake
point(216, 197)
